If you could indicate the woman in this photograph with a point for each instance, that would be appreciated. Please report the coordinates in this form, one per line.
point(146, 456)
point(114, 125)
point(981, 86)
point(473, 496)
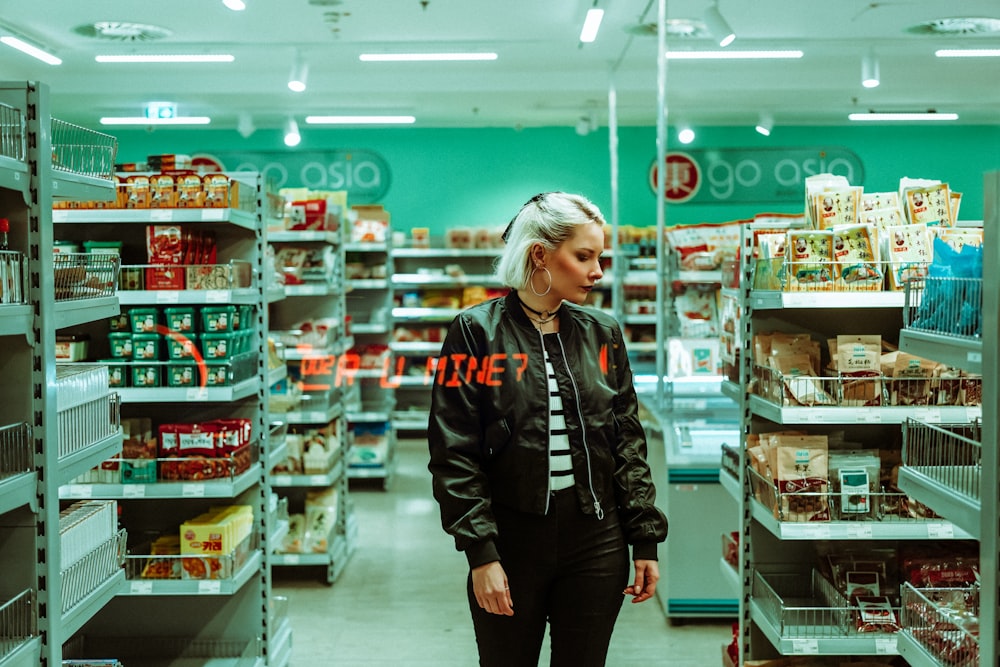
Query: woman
point(536, 451)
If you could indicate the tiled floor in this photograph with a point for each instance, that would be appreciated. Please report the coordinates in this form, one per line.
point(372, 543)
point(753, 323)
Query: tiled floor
point(401, 599)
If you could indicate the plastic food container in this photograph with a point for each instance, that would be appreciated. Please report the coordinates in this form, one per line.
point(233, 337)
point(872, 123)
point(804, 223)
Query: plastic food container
point(182, 375)
point(215, 346)
point(219, 375)
point(146, 347)
point(218, 319)
point(143, 320)
point(120, 322)
point(121, 345)
point(244, 317)
point(182, 347)
point(182, 319)
point(145, 375)
point(103, 247)
point(117, 372)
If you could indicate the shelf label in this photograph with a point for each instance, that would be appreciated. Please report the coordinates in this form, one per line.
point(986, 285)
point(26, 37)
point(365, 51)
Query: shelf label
point(886, 646)
point(141, 588)
point(805, 646)
point(928, 415)
point(167, 296)
point(282, 480)
point(942, 531)
point(811, 532)
point(193, 490)
point(60, 215)
point(869, 416)
point(134, 491)
point(213, 213)
point(798, 299)
point(80, 491)
point(209, 587)
point(197, 394)
point(860, 531)
point(161, 215)
point(290, 559)
point(217, 296)
point(318, 480)
point(974, 357)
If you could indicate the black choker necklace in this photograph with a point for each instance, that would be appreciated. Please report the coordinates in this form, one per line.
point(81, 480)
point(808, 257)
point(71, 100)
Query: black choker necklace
point(544, 316)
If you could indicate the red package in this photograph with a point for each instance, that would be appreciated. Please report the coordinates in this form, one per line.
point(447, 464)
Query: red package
point(315, 210)
point(165, 244)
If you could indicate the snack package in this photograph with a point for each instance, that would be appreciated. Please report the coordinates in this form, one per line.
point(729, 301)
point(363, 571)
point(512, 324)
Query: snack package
point(854, 481)
point(802, 478)
point(162, 191)
point(907, 253)
point(929, 205)
point(836, 207)
point(855, 257)
point(875, 614)
point(817, 184)
point(912, 377)
point(809, 258)
point(858, 364)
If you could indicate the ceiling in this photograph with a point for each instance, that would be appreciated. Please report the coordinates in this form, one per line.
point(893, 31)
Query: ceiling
point(543, 76)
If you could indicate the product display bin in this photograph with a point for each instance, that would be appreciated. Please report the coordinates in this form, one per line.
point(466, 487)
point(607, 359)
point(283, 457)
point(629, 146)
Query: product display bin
point(84, 275)
point(91, 571)
point(944, 623)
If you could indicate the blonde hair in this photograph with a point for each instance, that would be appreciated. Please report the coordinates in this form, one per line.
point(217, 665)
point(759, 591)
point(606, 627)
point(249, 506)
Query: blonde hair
point(549, 218)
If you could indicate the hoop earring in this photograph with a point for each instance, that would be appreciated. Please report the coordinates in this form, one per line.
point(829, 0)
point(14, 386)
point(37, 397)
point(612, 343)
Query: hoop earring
point(531, 281)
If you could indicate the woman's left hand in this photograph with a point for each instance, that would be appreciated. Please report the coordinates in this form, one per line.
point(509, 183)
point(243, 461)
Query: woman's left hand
point(647, 573)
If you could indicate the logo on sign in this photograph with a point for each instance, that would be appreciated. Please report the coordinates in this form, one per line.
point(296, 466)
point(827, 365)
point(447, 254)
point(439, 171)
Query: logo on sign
point(682, 180)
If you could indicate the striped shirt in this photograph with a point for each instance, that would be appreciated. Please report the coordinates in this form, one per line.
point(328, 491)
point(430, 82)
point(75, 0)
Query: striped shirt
point(560, 465)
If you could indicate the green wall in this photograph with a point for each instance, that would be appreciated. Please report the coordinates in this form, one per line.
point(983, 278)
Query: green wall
point(442, 178)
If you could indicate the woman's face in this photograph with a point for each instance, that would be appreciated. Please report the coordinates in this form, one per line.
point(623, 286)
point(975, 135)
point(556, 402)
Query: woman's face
point(576, 264)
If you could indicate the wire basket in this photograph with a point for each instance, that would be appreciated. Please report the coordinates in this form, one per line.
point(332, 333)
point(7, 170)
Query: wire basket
point(86, 575)
point(18, 622)
point(826, 275)
point(82, 151)
point(12, 141)
point(949, 306)
point(169, 650)
point(90, 423)
point(84, 275)
point(802, 606)
point(141, 563)
point(11, 270)
point(15, 449)
point(945, 621)
point(950, 455)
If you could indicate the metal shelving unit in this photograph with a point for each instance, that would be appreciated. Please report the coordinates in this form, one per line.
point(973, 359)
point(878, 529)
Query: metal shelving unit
point(320, 371)
point(230, 606)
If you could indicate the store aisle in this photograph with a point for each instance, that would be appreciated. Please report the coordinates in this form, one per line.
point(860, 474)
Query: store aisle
point(401, 600)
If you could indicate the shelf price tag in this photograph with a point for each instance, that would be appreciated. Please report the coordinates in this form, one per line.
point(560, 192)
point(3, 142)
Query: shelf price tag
point(209, 587)
point(193, 490)
point(318, 480)
point(971, 357)
point(213, 213)
point(80, 491)
point(886, 646)
point(161, 215)
point(282, 480)
point(60, 215)
point(805, 646)
point(941, 531)
point(217, 296)
point(134, 491)
point(197, 394)
point(290, 559)
point(869, 416)
point(806, 531)
point(141, 588)
point(859, 531)
point(167, 296)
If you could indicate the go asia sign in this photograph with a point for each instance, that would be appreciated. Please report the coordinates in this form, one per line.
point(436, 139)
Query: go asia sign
point(743, 175)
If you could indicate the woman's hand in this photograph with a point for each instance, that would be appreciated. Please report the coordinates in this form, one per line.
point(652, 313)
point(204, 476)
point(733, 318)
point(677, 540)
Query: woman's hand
point(489, 584)
point(647, 573)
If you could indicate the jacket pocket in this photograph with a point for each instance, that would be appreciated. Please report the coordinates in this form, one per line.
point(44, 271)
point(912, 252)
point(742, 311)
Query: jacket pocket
point(496, 437)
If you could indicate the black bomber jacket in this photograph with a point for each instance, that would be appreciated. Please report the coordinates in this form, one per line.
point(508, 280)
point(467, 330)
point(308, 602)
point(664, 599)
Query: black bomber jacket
point(488, 429)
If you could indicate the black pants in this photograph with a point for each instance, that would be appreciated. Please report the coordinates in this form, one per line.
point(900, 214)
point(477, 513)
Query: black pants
point(564, 568)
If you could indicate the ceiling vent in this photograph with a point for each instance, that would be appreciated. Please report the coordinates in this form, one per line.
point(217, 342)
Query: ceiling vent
point(123, 31)
point(957, 27)
point(675, 29)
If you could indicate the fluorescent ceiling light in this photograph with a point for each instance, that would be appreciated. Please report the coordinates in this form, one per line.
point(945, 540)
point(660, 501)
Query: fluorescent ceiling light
point(297, 78)
point(360, 120)
point(176, 58)
point(417, 57)
point(591, 25)
point(142, 120)
point(967, 53)
point(718, 26)
point(30, 49)
point(292, 136)
point(734, 55)
point(235, 5)
point(903, 116)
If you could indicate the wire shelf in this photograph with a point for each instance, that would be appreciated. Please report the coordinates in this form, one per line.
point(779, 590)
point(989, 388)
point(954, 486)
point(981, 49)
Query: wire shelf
point(142, 564)
point(87, 574)
point(11, 271)
point(169, 650)
point(178, 469)
point(948, 306)
point(82, 151)
point(802, 606)
point(15, 449)
point(18, 622)
point(956, 388)
point(89, 423)
point(85, 275)
point(826, 275)
point(830, 505)
point(945, 621)
point(12, 134)
point(950, 455)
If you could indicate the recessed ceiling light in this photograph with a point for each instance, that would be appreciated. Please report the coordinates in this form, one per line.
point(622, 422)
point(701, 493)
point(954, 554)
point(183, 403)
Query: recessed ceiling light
point(172, 58)
point(967, 53)
point(733, 55)
point(418, 57)
point(142, 120)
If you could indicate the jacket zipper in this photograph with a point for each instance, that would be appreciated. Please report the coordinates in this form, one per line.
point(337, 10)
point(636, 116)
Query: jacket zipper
point(583, 432)
point(548, 428)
